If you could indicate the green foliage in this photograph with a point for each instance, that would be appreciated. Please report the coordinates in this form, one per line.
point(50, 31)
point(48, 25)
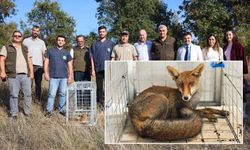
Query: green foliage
point(133, 15)
point(24, 28)
point(217, 16)
point(6, 30)
point(204, 18)
point(240, 11)
point(176, 29)
point(243, 34)
point(7, 8)
point(89, 39)
point(52, 21)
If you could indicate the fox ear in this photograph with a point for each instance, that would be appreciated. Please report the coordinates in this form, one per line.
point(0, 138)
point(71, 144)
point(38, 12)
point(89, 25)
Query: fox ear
point(173, 72)
point(197, 71)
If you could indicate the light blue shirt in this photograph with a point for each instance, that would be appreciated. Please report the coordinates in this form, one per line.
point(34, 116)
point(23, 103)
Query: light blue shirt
point(144, 50)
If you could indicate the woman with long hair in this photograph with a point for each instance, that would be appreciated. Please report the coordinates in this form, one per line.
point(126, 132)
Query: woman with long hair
point(213, 51)
point(233, 50)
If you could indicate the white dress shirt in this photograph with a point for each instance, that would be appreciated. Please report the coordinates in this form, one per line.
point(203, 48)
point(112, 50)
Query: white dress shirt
point(194, 52)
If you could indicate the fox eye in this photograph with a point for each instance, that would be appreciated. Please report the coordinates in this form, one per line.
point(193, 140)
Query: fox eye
point(191, 83)
point(180, 84)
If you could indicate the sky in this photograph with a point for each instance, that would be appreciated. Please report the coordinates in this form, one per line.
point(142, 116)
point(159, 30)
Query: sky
point(83, 11)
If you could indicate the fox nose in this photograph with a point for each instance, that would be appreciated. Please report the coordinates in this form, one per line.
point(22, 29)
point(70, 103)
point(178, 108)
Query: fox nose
point(185, 98)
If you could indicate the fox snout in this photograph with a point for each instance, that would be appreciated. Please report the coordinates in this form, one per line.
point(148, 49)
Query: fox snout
point(186, 98)
point(186, 92)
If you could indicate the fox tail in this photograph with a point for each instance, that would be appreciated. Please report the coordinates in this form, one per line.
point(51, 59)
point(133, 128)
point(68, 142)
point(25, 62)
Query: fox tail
point(168, 130)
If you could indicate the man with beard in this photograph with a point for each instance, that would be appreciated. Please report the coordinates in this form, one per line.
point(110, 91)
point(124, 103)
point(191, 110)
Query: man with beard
point(99, 52)
point(36, 48)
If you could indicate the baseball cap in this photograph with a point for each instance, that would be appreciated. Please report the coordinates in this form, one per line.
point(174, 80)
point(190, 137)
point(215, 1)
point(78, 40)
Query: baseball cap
point(125, 33)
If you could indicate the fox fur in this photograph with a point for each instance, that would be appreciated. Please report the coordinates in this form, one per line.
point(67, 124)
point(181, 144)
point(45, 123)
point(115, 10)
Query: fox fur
point(164, 113)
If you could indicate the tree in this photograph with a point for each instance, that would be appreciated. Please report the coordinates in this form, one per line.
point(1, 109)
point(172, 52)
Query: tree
point(204, 18)
point(6, 30)
point(89, 39)
point(52, 21)
point(133, 15)
point(7, 8)
point(240, 11)
point(217, 16)
point(176, 29)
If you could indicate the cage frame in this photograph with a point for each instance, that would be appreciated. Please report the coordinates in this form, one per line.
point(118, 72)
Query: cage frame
point(82, 85)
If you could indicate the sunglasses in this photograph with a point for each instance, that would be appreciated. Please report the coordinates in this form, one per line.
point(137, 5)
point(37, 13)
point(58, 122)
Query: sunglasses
point(17, 36)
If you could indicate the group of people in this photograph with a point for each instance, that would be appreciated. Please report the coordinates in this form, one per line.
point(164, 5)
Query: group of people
point(22, 60)
point(165, 48)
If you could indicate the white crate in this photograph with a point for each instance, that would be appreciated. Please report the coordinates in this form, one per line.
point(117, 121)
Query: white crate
point(81, 103)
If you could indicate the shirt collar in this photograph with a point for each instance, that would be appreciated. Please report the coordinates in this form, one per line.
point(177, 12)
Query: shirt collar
point(189, 45)
point(59, 48)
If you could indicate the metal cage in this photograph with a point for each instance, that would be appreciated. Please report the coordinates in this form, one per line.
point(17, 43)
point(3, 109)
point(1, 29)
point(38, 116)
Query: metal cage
point(116, 98)
point(232, 98)
point(81, 103)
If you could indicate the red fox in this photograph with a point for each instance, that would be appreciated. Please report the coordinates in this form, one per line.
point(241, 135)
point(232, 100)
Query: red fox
point(167, 114)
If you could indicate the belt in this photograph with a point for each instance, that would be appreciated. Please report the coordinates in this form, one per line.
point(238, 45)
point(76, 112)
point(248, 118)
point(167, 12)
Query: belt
point(22, 73)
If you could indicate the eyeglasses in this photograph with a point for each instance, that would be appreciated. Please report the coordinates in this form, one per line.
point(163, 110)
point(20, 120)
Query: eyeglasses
point(19, 36)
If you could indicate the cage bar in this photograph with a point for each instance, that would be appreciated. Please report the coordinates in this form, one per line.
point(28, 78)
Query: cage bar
point(81, 103)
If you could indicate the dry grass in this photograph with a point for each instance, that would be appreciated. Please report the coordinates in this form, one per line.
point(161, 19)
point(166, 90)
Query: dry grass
point(39, 132)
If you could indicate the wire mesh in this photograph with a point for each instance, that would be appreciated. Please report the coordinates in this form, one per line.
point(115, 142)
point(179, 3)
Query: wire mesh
point(81, 103)
point(232, 97)
point(116, 98)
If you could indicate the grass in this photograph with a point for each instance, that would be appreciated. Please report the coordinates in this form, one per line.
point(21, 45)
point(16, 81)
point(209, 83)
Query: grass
point(38, 132)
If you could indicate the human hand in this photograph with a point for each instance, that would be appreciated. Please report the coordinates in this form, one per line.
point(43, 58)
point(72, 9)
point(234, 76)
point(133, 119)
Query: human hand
point(46, 76)
point(3, 76)
point(31, 76)
point(70, 80)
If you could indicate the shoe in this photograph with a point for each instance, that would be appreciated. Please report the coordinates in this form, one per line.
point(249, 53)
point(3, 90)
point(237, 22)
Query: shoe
point(63, 113)
point(48, 114)
point(37, 100)
point(13, 118)
point(27, 115)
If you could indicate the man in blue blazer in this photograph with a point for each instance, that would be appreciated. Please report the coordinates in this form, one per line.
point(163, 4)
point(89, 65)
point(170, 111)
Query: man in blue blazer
point(189, 51)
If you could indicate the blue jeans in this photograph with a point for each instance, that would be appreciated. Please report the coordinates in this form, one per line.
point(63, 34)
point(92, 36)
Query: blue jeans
point(54, 83)
point(23, 82)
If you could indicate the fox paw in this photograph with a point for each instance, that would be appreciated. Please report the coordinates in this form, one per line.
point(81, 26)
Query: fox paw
point(224, 113)
point(212, 119)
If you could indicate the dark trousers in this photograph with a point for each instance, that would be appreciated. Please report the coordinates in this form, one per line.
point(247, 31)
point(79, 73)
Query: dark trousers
point(38, 75)
point(81, 76)
point(100, 88)
point(246, 89)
